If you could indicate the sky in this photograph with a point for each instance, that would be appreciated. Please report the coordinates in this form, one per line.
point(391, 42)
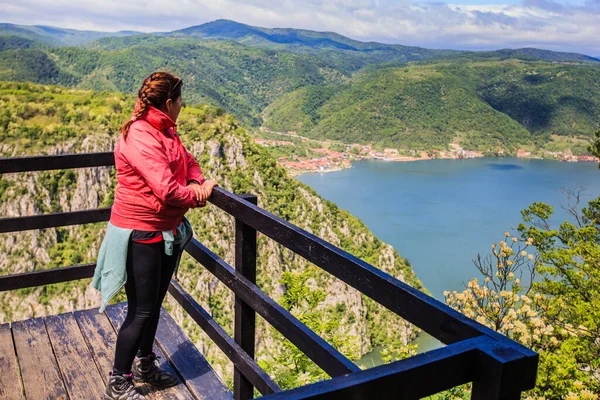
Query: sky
point(572, 26)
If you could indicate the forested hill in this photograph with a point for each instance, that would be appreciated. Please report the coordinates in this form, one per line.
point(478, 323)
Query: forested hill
point(484, 105)
point(36, 119)
point(329, 86)
point(240, 79)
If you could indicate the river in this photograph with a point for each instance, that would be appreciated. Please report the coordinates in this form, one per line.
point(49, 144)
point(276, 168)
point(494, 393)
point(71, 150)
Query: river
point(439, 214)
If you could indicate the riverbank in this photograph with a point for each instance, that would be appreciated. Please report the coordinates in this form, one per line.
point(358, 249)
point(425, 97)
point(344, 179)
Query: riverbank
point(333, 161)
point(300, 155)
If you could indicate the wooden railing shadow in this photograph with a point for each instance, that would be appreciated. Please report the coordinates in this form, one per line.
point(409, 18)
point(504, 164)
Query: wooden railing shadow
point(498, 367)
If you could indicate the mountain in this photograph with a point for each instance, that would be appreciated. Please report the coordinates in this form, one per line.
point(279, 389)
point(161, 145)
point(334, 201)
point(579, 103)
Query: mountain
point(53, 36)
point(37, 119)
point(326, 85)
point(231, 30)
point(345, 52)
point(503, 103)
point(349, 54)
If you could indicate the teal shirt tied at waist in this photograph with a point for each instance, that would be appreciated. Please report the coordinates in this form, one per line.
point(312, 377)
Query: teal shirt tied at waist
point(110, 274)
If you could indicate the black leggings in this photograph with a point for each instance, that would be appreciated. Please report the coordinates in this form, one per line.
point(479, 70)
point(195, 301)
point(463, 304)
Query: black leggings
point(149, 272)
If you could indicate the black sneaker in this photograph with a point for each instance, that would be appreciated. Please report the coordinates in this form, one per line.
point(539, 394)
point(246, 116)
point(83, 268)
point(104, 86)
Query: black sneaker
point(121, 387)
point(146, 369)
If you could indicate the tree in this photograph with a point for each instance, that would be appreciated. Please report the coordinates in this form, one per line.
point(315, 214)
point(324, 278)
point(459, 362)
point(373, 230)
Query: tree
point(556, 311)
point(305, 300)
point(569, 264)
point(595, 146)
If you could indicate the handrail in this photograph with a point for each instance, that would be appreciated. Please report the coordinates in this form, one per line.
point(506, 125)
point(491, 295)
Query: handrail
point(46, 277)
point(59, 161)
point(411, 378)
point(18, 224)
point(311, 344)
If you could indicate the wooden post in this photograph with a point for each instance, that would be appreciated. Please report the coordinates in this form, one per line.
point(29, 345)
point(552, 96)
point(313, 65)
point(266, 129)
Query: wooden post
point(503, 372)
point(245, 317)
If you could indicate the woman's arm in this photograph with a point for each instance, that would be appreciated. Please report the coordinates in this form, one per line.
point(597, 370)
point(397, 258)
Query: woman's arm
point(194, 173)
point(201, 187)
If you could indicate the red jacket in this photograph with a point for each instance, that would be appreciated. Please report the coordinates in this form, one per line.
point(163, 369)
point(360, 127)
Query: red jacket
point(153, 169)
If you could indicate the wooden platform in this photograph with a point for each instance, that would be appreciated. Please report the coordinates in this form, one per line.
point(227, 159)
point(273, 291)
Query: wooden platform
point(69, 356)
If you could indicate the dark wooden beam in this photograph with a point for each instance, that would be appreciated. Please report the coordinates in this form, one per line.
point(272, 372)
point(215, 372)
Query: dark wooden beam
point(46, 277)
point(322, 353)
point(44, 221)
point(245, 317)
point(63, 161)
point(412, 378)
point(242, 361)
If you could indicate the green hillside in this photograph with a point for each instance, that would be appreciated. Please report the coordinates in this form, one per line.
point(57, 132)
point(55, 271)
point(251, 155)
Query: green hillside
point(507, 103)
point(35, 65)
point(351, 55)
point(15, 42)
point(239, 79)
point(346, 53)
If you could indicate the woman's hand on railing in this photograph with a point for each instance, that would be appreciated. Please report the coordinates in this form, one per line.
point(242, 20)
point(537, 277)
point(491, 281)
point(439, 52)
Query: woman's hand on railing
point(203, 191)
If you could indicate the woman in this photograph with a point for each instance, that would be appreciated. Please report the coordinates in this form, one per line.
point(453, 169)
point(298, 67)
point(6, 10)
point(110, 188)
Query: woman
point(158, 181)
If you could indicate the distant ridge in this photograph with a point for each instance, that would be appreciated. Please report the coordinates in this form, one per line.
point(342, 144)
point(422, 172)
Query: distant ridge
point(53, 36)
point(300, 41)
point(547, 55)
point(293, 39)
point(227, 29)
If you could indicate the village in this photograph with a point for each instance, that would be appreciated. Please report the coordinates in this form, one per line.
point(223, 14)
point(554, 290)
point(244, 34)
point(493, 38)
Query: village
point(340, 158)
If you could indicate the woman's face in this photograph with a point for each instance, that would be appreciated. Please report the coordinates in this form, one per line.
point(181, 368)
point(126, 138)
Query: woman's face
point(172, 108)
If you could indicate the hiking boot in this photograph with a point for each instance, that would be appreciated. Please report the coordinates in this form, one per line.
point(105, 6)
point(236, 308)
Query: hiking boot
point(146, 369)
point(121, 387)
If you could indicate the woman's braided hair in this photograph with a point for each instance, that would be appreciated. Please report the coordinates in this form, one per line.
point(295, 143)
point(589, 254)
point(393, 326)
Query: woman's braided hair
point(155, 91)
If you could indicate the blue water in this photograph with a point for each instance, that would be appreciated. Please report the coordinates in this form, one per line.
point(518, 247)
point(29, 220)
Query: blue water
point(440, 213)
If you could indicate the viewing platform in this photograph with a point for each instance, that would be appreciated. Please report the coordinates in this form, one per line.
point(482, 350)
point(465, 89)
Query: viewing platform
point(67, 356)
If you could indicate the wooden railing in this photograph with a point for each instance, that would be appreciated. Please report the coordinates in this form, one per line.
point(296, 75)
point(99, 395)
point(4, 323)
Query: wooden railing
point(498, 367)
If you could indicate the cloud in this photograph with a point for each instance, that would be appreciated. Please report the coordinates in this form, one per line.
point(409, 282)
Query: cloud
point(533, 23)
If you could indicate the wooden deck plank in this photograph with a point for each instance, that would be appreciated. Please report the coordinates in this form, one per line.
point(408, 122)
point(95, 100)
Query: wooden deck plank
point(80, 373)
point(100, 337)
point(116, 315)
point(202, 380)
point(39, 370)
point(10, 378)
